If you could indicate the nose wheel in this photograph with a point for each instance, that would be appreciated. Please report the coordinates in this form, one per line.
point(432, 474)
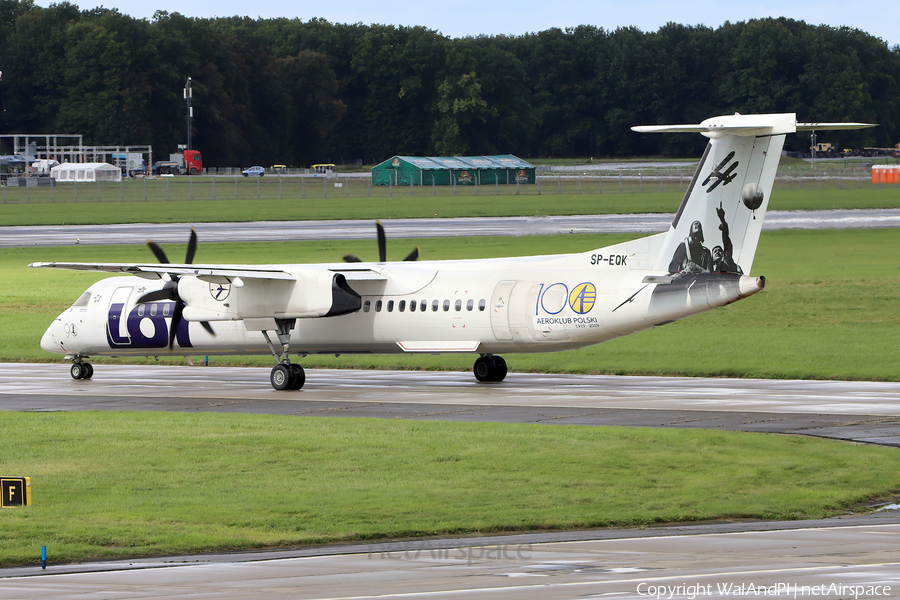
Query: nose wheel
point(81, 370)
point(489, 367)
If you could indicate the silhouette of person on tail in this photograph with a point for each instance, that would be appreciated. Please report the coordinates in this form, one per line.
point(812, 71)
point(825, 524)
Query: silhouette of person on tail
point(723, 258)
point(692, 256)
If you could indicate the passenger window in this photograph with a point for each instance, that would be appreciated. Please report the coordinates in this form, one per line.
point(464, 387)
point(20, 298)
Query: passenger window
point(470, 305)
point(412, 306)
point(367, 305)
point(390, 306)
point(153, 309)
point(141, 309)
point(166, 309)
point(434, 306)
point(446, 305)
point(402, 306)
point(424, 306)
point(481, 304)
point(378, 306)
point(458, 305)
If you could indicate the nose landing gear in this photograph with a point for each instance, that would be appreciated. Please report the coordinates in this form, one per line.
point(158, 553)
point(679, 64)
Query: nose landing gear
point(81, 369)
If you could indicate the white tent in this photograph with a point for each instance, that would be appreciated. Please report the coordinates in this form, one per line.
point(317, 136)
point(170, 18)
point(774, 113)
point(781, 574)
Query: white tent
point(86, 172)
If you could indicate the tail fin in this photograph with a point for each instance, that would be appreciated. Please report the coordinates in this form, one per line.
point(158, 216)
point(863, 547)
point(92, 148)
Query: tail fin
point(718, 224)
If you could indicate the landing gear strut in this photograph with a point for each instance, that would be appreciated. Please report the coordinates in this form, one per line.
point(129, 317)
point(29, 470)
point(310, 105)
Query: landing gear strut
point(489, 367)
point(81, 369)
point(284, 375)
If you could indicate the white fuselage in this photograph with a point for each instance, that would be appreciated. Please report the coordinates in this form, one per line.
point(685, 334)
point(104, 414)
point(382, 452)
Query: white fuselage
point(489, 306)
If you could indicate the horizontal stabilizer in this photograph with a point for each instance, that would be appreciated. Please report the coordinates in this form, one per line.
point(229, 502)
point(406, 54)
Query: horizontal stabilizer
point(833, 126)
point(749, 126)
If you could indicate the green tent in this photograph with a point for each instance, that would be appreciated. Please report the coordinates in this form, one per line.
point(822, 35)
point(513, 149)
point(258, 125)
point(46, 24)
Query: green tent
point(453, 170)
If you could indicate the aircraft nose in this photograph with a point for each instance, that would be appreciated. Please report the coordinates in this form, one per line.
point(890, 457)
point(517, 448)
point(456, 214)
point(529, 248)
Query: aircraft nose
point(51, 339)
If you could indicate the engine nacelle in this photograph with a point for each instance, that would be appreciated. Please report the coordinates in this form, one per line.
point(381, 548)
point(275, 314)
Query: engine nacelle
point(314, 293)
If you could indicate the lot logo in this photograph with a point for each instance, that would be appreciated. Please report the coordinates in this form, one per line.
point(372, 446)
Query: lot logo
point(147, 326)
point(582, 298)
point(464, 177)
point(521, 176)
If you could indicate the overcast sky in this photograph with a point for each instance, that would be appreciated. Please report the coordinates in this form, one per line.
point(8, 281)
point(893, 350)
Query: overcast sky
point(459, 18)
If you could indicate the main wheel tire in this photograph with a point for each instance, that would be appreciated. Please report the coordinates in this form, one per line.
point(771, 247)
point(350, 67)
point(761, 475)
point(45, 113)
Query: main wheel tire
point(76, 371)
point(88, 370)
point(485, 369)
point(281, 377)
point(502, 369)
point(299, 377)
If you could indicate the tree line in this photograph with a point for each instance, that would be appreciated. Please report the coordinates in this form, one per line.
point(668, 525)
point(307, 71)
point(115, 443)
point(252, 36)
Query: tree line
point(284, 91)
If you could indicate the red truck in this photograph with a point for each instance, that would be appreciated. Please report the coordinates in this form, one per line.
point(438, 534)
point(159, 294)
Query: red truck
point(189, 162)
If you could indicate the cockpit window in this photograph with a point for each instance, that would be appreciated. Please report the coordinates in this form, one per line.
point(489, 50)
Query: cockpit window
point(83, 301)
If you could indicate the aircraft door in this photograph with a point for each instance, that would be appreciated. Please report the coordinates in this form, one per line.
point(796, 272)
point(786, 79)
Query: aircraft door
point(500, 310)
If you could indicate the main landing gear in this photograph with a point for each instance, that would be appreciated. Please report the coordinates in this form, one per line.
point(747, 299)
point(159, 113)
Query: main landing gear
point(284, 375)
point(81, 369)
point(489, 367)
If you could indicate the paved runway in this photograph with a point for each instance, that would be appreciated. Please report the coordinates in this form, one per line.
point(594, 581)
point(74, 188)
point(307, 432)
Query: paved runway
point(860, 411)
point(840, 558)
point(138, 233)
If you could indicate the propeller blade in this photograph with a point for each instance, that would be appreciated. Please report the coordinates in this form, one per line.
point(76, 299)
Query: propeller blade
point(208, 328)
point(167, 293)
point(351, 258)
point(382, 242)
point(192, 247)
point(176, 323)
point(160, 254)
point(414, 255)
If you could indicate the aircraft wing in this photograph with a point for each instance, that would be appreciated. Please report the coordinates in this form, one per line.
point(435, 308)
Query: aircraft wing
point(156, 270)
point(210, 273)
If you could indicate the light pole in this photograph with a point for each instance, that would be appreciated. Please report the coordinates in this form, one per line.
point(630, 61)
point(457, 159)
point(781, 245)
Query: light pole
point(188, 94)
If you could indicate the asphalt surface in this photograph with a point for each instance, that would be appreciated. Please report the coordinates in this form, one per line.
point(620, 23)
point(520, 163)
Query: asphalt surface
point(861, 411)
point(138, 233)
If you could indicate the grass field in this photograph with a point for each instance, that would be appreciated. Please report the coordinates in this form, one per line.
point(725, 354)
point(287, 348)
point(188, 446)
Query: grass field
point(135, 484)
point(828, 311)
point(24, 206)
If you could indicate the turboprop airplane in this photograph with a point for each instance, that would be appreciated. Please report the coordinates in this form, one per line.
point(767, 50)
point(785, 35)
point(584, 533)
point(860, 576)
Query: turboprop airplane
point(486, 307)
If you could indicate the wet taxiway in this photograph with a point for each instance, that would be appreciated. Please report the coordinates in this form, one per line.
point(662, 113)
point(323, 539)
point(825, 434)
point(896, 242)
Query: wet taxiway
point(855, 557)
point(137, 233)
point(861, 411)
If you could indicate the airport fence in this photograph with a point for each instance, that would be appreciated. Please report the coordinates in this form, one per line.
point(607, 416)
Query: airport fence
point(289, 187)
